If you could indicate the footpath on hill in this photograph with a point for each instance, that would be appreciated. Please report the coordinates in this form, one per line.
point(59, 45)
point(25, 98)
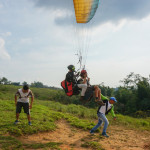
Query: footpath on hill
point(71, 138)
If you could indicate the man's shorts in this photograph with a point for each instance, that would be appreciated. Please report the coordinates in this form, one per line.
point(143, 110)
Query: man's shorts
point(25, 107)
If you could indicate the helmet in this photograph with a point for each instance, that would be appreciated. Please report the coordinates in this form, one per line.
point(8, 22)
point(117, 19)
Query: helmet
point(83, 72)
point(113, 98)
point(71, 67)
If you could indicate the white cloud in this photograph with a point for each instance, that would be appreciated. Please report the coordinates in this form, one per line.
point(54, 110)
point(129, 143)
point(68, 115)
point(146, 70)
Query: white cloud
point(110, 27)
point(3, 53)
point(6, 34)
point(26, 40)
point(1, 6)
point(112, 71)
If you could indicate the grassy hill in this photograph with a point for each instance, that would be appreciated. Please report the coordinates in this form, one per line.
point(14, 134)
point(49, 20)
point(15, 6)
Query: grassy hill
point(7, 93)
point(45, 115)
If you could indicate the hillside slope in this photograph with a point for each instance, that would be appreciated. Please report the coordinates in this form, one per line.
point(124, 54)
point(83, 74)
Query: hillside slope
point(121, 138)
point(66, 127)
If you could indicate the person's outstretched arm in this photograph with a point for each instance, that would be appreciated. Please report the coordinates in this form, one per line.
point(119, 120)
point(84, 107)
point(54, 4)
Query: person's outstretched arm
point(15, 100)
point(17, 94)
point(32, 99)
point(104, 97)
point(113, 113)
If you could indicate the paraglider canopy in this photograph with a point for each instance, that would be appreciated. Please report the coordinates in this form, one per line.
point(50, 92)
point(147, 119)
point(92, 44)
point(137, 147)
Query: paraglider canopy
point(85, 10)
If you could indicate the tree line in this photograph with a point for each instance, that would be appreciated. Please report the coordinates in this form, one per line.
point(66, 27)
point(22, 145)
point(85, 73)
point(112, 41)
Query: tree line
point(37, 84)
point(133, 95)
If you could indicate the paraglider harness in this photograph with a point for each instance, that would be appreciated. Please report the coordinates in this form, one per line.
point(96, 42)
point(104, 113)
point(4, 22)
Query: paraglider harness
point(107, 111)
point(70, 85)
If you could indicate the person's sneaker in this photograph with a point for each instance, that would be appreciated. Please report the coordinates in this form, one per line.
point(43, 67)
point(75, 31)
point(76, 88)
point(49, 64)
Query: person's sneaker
point(104, 134)
point(91, 132)
point(16, 122)
point(29, 123)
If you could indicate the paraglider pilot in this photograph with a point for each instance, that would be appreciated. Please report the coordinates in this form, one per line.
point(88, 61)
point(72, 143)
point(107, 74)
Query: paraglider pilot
point(72, 77)
point(86, 80)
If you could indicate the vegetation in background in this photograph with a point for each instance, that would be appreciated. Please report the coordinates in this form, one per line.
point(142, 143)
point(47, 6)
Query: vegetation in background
point(133, 97)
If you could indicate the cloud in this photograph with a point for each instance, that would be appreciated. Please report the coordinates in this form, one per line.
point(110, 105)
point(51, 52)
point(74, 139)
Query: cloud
point(26, 40)
point(57, 4)
point(3, 53)
point(6, 34)
point(108, 11)
point(113, 71)
point(1, 6)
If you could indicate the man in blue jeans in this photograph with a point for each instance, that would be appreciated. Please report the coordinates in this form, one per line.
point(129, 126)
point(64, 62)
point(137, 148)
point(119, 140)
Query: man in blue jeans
point(102, 111)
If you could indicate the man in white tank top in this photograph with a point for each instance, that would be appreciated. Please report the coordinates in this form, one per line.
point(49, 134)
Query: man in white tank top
point(22, 100)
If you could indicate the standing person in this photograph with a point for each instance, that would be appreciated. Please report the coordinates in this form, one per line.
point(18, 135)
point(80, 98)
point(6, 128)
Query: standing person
point(72, 77)
point(101, 112)
point(23, 101)
point(97, 91)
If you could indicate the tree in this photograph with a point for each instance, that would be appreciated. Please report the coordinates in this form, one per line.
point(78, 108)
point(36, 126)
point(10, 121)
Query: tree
point(4, 81)
point(15, 83)
point(143, 93)
point(24, 83)
point(135, 94)
point(37, 84)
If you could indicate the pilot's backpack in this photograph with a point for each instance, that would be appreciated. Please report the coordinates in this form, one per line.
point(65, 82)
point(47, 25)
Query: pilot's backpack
point(69, 88)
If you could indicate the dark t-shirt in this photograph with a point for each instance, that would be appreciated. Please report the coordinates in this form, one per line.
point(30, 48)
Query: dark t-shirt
point(70, 77)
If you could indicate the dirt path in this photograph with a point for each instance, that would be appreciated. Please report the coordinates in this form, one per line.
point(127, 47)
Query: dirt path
point(72, 138)
point(125, 139)
point(66, 134)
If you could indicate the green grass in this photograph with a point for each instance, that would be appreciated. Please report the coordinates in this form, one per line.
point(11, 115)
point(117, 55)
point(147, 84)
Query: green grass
point(90, 114)
point(8, 142)
point(77, 110)
point(44, 115)
point(94, 145)
point(7, 92)
point(134, 123)
point(43, 119)
point(52, 145)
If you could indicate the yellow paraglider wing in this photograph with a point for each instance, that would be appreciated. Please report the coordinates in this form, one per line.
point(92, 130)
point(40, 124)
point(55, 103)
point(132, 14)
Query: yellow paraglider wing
point(85, 10)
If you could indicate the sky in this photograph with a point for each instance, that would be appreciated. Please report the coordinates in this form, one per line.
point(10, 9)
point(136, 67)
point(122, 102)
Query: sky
point(38, 40)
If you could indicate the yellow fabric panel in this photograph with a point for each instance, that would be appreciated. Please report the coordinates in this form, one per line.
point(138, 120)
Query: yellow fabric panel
point(82, 10)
